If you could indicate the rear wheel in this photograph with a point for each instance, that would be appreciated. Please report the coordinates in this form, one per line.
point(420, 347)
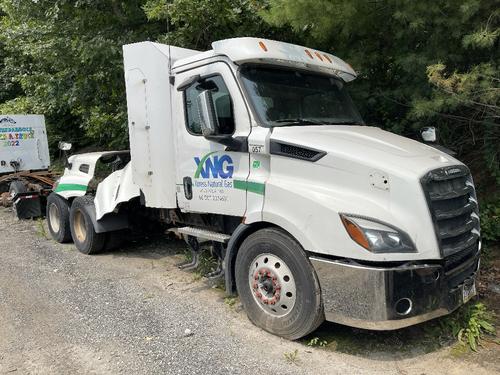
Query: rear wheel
point(277, 284)
point(58, 218)
point(86, 240)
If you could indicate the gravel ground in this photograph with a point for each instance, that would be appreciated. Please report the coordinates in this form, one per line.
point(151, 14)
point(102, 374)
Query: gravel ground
point(62, 312)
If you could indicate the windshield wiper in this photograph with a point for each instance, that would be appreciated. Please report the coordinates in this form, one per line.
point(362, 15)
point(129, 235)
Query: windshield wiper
point(298, 121)
point(307, 121)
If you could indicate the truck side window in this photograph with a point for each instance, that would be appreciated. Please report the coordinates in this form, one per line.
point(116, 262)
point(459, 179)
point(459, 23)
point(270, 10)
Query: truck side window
point(222, 101)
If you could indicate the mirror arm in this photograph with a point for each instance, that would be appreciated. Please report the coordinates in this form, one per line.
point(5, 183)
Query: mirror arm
point(188, 82)
point(237, 144)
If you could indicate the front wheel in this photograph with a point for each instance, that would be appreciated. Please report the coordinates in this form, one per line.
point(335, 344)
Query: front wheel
point(277, 284)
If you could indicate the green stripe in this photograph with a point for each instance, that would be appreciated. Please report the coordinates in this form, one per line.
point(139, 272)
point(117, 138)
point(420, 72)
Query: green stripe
point(252, 187)
point(66, 187)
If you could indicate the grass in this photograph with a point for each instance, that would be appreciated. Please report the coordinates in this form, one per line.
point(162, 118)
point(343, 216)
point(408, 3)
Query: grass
point(230, 301)
point(316, 341)
point(40, 229)
point(469, 325)
point(207, 263)
point(463, 330)
point(292, 357)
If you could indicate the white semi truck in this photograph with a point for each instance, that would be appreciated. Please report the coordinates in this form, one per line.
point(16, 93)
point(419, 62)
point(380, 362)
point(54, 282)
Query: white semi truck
point(256, 149)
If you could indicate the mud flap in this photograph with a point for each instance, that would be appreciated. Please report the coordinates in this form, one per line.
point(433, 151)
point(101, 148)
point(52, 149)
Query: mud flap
point(27, 205)
point(109, 222)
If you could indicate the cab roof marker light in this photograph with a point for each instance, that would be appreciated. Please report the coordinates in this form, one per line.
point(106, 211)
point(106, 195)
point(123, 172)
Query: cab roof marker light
point(248, 49)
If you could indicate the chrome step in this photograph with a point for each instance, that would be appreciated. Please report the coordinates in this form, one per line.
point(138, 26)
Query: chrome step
point(204, 234)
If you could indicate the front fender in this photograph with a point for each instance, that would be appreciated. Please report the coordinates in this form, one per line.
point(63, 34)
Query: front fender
point(107, 224)
point(310, 213)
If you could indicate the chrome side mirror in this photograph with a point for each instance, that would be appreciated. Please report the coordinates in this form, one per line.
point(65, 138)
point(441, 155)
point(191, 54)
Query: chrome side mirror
point(208, 116)
point(64, 146)
point(428, 134)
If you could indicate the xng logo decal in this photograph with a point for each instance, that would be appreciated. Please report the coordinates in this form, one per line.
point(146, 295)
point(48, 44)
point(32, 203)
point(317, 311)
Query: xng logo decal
point(214, 165)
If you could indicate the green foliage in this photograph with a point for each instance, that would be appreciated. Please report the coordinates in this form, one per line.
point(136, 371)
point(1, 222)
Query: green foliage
point(292, 357)
point(316, 341)
point(40, 229)
point(490, 222)
point(66, 58)
point(196, 24)
point(63, 58)
point(206, 262)
point(230, 301)
point(469, 100)
point(420, 63)
point(469, 324)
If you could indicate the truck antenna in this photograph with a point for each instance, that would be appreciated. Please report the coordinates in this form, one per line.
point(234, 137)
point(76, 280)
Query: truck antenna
point(168, 41)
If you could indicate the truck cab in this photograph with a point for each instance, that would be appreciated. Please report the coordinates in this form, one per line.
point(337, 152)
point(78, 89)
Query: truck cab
point(257, 148)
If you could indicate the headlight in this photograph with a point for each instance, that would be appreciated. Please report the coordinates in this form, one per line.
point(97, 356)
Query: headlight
point(376, 236)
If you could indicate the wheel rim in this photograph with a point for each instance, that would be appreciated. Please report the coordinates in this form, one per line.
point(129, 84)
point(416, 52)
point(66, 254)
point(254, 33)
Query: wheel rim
point(272, 285)
point(54, 218)
point(79, 226)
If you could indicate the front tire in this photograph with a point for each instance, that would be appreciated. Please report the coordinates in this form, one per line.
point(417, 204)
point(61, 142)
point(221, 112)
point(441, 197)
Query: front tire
point(277, 284)
point(86, 240)
point(58, 218)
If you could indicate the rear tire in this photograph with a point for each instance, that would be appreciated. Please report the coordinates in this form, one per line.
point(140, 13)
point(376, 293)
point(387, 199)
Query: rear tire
point(277, 284)
point(86, 240)
point(58, 218)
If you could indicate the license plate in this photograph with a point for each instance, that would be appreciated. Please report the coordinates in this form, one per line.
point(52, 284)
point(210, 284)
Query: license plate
point(469, 291)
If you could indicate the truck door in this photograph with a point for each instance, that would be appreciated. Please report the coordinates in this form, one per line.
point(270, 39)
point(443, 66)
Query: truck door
point(211, 177)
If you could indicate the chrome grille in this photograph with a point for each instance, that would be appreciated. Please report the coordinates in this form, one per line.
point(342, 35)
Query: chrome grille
point(460, 265)
point(453, 206)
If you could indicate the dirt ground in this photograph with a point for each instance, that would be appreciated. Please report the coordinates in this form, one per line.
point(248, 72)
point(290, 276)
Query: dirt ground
point(132, 311)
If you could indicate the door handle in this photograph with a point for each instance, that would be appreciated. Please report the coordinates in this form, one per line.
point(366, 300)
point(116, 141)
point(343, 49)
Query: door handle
point(188, 188)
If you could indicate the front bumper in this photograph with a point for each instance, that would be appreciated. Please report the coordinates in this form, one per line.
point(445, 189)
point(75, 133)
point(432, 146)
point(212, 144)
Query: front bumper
point(393, 297)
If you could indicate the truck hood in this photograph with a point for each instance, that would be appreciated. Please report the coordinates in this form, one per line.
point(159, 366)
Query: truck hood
point(369, 146)
point(366, 172)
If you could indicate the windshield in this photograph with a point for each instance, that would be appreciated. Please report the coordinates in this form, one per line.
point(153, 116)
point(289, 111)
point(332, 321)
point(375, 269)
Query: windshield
point(289, 98)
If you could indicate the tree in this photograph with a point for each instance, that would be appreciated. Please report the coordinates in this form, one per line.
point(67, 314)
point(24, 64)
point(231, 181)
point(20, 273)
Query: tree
point(420, 63)
point(66, 57)
point(63, 58)
point(197, 23)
